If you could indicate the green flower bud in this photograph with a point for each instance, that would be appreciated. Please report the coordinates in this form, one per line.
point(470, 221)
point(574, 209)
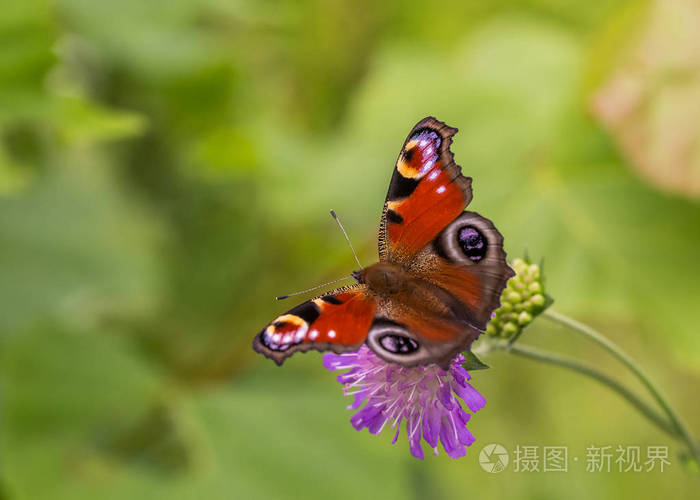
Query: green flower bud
point(522, 301)
point(513, 297)
point(524, 318)
point(534, 271)
point(509, 329)
point(538, 300)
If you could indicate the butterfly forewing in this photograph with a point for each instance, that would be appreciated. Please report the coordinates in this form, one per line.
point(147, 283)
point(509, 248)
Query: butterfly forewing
point(337, 321)
point(426, 192)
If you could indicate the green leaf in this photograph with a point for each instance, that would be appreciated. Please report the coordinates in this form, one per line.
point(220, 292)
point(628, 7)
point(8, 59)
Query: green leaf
point(472, 362)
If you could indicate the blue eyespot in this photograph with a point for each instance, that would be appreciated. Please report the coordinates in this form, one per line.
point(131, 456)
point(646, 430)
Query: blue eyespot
point(472, 242)
point(397, 344)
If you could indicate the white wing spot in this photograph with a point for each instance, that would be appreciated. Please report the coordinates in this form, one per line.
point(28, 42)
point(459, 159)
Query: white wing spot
point(313, 334)
point(441, 189)
point(428, 166)
point(331, 334)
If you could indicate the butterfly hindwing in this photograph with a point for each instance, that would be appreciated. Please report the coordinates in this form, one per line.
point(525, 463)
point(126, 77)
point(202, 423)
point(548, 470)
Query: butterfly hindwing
point(337, 321)
point(473, 264)
point(467, 261)
point(455, 283)
point(412, 337)
point(426, 192)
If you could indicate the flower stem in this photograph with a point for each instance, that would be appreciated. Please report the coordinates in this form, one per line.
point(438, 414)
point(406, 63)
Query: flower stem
point(575, 365)
point(681, 430)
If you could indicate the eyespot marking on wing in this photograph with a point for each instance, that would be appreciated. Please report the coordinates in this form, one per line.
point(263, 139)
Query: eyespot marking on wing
point(420, 153)
point(472, 242)
point(284, 332)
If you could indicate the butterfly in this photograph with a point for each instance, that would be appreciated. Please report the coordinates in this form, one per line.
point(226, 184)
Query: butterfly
point(440, 274)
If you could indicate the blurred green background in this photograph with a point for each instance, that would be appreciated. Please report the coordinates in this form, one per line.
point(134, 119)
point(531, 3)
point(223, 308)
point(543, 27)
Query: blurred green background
point(167, 167)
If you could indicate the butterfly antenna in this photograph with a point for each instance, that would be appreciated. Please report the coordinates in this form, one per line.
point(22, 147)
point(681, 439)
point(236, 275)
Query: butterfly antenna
point(313, 288)
point(346, 238)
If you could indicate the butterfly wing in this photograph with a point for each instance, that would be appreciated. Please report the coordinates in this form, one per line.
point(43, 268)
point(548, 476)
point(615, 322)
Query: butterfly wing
point(426, 192)
point(337, 321)
point(456, 258)
point(411, 336)
point(468, 261)
point(456, 283)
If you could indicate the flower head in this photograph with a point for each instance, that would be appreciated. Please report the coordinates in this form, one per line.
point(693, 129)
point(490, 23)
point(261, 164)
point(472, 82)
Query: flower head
point(428, 397)
point(522, 301)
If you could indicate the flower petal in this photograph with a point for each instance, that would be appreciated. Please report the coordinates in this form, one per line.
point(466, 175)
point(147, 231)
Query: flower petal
point(427, 397)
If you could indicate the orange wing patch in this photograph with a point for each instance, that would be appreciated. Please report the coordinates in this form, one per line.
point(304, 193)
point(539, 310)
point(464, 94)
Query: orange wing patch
point(343, 324)
point(436, 201)
point(336, 322)
point(465, 285)
point(478, 287)
point(427, 191)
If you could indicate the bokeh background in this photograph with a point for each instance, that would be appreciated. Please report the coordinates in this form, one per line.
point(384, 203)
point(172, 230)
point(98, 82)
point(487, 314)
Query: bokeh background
point(167, 167)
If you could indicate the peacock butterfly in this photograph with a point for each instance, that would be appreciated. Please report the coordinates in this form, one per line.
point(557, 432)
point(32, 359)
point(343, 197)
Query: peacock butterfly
point(440, 273)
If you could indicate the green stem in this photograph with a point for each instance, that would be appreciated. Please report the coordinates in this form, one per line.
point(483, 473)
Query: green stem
point(609, 346)
point(575, 365)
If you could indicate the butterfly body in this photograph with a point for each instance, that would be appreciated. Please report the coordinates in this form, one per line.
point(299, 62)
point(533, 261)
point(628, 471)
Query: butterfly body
point(384, 278)
point(440, 273)
point(392, 284)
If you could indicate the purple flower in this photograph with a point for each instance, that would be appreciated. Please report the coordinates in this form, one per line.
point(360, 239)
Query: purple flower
point(428, 397)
